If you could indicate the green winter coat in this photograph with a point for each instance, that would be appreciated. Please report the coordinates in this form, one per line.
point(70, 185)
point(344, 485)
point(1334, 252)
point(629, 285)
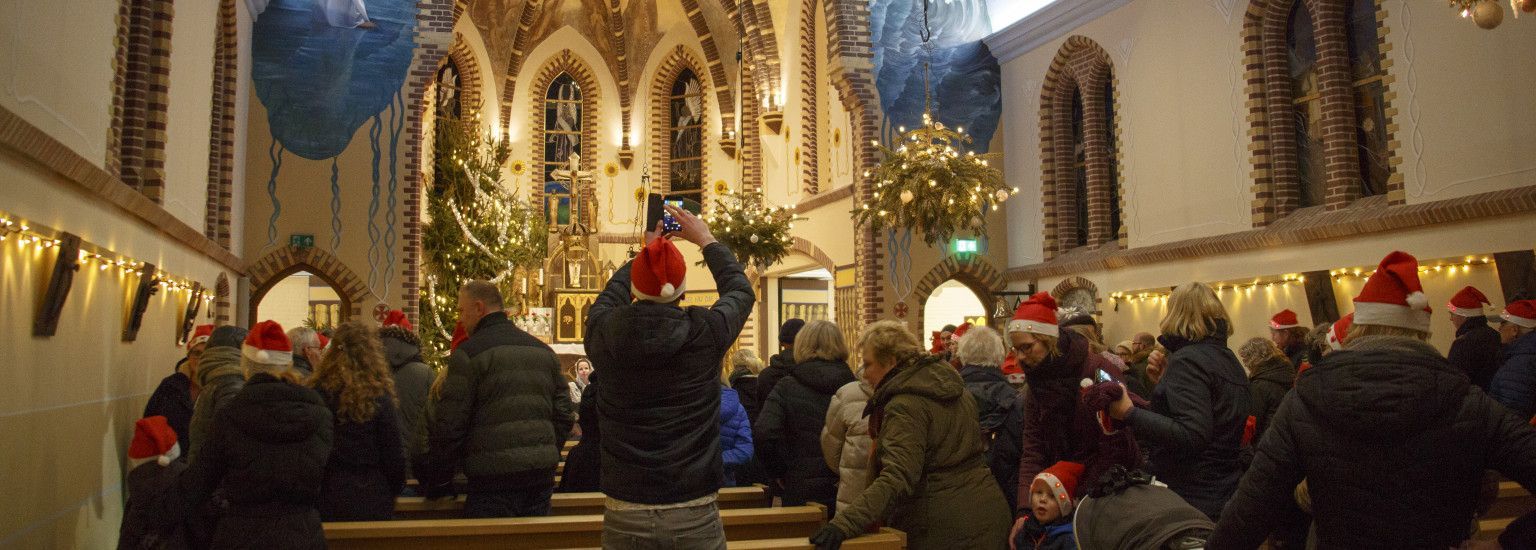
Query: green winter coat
point(220, 377)
point(932, 480)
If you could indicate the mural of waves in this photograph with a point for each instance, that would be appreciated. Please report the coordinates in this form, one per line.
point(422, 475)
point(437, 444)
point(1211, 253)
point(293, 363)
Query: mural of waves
point(966, 78)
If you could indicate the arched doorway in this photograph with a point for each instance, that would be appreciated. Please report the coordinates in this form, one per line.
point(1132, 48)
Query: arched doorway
point(300, 298)
point(952, 303)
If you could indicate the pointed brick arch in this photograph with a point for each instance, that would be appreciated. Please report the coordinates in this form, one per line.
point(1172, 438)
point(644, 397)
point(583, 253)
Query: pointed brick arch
point(973, 271)
point(565, 62)
point(469, 75)
point(266, 272)
point(661, 88)
point(808, 248)
point(1081, 66)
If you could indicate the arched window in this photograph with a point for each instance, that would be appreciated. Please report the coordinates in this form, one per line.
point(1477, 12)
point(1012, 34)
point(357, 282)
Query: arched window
point(1301, 44)
point(685, 166)
point(562, 138)
point(1078, 149)
point(1367, 78)
point(448, 102)
point(1079, 172)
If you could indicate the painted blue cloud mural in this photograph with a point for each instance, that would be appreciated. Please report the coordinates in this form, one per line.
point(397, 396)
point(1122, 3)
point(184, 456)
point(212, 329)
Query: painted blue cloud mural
point(966, 77)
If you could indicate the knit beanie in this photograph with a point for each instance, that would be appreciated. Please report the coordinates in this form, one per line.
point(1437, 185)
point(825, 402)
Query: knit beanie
point(227, 336)
point(789, 330)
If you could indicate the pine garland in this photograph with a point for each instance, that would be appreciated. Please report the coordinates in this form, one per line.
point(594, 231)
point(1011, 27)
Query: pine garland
point(756, 232)
point(928, 186)
point(478, 229)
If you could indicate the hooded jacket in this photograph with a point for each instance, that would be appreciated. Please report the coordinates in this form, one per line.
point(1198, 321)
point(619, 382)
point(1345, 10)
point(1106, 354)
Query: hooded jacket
point(735, 434)
point(789, 431)
point(1392, 441)
point(745, 383)
point(267, 450)
point(1056, 425)
point(413, 382)
point(930, 479)
point(778, 367)
point(1476, 351)
point(504, 412)
point(1515, 383)
point(845, 440)
point(1270, 381)
point(1001, 413)
point(173, 400)
point(660, 402)
point(1194, 426)
point(220, 377)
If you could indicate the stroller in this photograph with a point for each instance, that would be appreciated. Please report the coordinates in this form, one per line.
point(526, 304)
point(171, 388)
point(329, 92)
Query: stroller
point(1129, 510)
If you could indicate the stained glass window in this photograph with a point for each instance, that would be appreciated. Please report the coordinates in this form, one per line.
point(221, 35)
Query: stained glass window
point(686, 130)
point(562, 138)
point(1369, 91)
point(1301, 44)
point(448, 105)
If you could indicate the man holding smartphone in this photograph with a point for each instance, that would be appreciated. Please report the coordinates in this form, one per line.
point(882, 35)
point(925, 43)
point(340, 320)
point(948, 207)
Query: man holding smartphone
point(659, 408)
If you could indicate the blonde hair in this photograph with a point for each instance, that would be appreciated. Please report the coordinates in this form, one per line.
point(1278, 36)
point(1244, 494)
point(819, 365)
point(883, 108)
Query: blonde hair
point(355, 372)
point(981, 346)
point(746, 358)
point(1193, 310)
point(820, 340)
point(1091, 335)
point(1257, 350)
point(889, 341)
point(1358, 330)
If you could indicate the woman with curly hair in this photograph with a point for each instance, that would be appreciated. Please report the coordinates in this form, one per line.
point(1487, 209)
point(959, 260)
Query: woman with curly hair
point(366, 468)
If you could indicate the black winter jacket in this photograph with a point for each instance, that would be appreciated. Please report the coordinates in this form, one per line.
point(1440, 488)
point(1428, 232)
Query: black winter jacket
point(366, 469)
point(504, 412)
point(1392, 441)
point(173, 400)
point(583, 464)
point(1194, 427)
point(1270, 381)
point(745, 384)
point(788, 433)
point(1001, 411)
point(659, 408)
point(778, 367)
point(413, 382)
point(145, 525)
point(267, 450)
point(1515, 384)
point(1475, 352)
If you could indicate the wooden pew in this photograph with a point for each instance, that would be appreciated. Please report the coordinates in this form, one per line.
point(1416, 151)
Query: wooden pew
point(549, 532)
point(571, 504)
point(886, 539)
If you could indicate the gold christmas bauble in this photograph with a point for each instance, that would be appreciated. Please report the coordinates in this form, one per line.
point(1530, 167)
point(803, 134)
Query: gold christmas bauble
point(906, 196)
point(754, 238)
point(1488, 14)
point(1001, 195)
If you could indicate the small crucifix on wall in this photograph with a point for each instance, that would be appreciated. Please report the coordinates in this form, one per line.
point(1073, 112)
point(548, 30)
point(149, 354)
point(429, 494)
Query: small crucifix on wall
point(575, 175)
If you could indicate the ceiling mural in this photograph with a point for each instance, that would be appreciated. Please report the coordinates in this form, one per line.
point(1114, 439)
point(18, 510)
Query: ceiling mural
point(966, 79)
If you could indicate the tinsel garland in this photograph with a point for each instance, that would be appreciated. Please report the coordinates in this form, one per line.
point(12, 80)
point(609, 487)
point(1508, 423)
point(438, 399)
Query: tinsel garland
point(756, 232)
point(927, 185)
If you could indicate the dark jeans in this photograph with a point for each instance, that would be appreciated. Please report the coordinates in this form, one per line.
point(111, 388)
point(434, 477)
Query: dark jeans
point(508, 504)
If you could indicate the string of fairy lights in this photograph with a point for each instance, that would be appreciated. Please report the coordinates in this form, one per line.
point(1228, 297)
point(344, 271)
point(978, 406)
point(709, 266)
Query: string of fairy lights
point(91, 255)
point(1463, 265)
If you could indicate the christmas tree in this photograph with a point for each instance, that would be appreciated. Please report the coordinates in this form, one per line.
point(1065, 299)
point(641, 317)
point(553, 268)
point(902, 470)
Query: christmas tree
point(477, 229)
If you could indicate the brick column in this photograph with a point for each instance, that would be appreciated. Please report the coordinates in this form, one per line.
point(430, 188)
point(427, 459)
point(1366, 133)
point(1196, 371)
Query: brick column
point(1342, 166)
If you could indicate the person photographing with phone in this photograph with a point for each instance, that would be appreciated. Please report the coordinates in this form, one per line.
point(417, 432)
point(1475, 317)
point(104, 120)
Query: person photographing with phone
point(659, 407)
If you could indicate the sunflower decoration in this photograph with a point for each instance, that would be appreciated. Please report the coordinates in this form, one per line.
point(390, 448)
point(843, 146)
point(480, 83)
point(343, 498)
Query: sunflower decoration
point(519, 167)
point(927, 185)
point(610, 169)
point(756, 232)
point(721, 187)
point(639, 194)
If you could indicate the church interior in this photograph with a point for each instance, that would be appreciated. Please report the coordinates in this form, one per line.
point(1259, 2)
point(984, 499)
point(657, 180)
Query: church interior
point(172, 163)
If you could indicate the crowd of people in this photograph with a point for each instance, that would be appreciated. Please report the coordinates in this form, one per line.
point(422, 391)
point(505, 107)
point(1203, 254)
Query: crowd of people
point(1353, 434)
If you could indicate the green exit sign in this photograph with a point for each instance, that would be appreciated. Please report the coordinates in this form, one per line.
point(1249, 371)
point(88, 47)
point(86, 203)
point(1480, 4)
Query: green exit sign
point(966, 246)
point(301, 241)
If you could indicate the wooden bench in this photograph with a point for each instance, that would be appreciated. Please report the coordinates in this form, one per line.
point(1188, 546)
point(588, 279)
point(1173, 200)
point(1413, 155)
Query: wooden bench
point(571, 504)
point(550, 532)
point(886, 539)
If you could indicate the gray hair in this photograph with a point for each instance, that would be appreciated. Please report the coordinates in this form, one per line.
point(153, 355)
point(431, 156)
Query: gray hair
point(482, 291)
point(303, 337)
point(981, 346)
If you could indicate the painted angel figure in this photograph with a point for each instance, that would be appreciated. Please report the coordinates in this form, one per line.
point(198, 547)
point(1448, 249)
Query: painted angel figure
point(347, 14)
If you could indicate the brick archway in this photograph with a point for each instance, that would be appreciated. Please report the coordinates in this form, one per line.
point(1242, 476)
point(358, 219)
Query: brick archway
point(469, 75)
point(975, 272)
point(266, 272)
point(808, 248)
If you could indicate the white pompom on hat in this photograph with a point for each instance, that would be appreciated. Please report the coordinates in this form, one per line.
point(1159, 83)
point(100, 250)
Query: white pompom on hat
point(658, 272)
point(153, 440)
point(1393, 296)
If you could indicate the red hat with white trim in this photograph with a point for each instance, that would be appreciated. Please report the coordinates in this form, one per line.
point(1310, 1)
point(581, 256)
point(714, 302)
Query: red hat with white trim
point(1037, 315)
point(1339, 331)
point(1522, 313)
point(266, 344)
point(1284, 320)
point(657, 273)
point(960, 331)
point(153, 439)
point(1061, 480)
point(1393, 296)
point(1468, 303)
point(200, 335)
point(397, 318)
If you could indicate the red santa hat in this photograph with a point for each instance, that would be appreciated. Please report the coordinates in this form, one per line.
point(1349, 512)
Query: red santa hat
point(960, 331)
point(397, 318)
point(459, 336)
point(1468, 303)
point(1061, 480)
point(325, 342)
point(1037, 315)
point(266, 344)
point(657, 273)
point(153, 439)
point(1339, 331)
point(1393, 296)
point(1522, 313)
point(200, 335)
point(1284, 320)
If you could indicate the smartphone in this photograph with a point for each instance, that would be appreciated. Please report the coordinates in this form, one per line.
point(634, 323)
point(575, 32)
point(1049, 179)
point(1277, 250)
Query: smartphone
point(1103, 376)
point(668, 223)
